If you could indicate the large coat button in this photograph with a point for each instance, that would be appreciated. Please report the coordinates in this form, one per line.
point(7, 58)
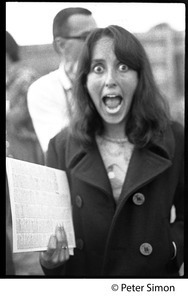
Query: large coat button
point(138, 199)
point(146, 249)
point(78, 201)
point(79, 244)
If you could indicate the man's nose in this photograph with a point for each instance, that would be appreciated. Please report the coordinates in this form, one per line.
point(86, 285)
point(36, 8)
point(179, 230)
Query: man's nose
point(110, 79)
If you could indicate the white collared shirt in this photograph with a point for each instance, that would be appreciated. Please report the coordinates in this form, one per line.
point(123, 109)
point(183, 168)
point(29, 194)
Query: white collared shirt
point(47, 103)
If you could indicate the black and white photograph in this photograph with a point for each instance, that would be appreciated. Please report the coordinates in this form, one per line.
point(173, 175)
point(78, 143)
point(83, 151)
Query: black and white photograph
point(95, 126)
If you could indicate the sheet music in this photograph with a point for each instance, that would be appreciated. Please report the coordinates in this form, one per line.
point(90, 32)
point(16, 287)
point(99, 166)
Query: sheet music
point(40, 200)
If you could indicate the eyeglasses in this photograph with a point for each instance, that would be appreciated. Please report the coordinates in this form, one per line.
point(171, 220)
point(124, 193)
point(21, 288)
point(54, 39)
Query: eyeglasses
point(82, 37)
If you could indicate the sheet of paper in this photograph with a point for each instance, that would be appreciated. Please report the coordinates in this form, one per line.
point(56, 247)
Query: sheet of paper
point(40, 200)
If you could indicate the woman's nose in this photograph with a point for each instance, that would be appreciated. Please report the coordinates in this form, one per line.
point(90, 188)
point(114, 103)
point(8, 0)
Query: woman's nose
point(110, 79)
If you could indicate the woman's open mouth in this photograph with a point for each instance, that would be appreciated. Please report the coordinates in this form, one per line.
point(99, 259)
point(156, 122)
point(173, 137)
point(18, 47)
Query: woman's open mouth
point(112, 103)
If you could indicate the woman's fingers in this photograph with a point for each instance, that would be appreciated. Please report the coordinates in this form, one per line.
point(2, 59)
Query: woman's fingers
point(61, 237)
point(62, 245)
point(57, 251)
point(46, 256)
point(52, 245)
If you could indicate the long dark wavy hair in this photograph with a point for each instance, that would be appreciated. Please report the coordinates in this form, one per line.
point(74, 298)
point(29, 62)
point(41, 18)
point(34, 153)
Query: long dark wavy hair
point(148, 115)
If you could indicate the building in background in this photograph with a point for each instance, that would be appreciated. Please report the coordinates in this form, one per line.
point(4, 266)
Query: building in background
point(165, 48)
point(166, 51)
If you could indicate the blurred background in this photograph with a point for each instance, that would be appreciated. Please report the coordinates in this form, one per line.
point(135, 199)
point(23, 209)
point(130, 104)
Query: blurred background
point(159, 26)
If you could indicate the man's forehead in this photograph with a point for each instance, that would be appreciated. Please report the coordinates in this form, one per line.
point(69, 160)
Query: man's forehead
point(79, 23)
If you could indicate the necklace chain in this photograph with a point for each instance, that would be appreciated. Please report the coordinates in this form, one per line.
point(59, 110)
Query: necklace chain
point(113, 140)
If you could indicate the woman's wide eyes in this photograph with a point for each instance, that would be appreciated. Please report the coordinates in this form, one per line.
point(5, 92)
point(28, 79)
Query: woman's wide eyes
point(123, 68)
point(100, 68)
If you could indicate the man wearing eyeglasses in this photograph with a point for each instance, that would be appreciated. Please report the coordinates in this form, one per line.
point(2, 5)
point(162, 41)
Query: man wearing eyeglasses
point(49, 98)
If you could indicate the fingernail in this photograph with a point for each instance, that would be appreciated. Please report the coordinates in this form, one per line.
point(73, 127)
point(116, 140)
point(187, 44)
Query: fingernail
point(59, 234)
point(58, 227)
point(52, 242)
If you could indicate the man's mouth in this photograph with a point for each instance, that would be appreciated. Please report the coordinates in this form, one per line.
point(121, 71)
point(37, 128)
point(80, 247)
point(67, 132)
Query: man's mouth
point(112, 103)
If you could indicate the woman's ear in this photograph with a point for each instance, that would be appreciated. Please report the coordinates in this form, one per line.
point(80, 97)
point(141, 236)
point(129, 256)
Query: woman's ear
point(59, 45)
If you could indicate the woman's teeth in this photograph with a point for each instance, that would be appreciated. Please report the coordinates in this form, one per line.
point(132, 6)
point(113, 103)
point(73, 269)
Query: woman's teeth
point(112, 103)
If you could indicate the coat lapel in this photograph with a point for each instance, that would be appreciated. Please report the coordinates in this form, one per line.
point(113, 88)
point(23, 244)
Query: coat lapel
point(144, 166)
point(88, 167)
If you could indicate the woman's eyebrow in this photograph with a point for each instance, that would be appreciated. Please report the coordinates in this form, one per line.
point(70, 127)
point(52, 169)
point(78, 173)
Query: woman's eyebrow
point(94, 60)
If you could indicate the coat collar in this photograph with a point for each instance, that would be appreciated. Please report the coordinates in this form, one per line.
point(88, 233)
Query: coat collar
point(145, 164)
point(86, 165)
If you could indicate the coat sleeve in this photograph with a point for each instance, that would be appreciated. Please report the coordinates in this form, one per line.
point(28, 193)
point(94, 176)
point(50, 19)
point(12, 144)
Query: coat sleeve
point(52, 157)
point(55, 156)
point(177, 227)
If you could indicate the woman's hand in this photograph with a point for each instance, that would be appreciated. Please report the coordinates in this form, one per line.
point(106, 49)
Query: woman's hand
point(57, 252)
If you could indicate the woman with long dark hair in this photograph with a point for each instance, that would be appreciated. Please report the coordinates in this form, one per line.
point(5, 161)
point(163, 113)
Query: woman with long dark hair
point(124, 160)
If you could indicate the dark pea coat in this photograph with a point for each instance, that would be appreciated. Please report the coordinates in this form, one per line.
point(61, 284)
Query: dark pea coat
point(134, 238)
